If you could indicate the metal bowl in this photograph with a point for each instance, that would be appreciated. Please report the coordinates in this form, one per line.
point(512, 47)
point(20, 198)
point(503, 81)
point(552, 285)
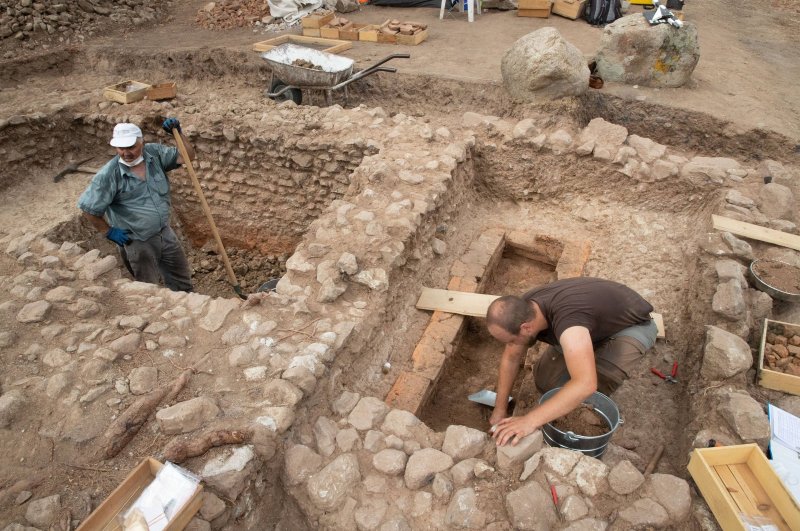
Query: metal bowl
point(772, 291)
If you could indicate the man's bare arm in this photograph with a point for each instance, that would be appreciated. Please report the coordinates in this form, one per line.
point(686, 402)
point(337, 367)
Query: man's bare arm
point(509, 367)
point(98, 222)
point(579, 356)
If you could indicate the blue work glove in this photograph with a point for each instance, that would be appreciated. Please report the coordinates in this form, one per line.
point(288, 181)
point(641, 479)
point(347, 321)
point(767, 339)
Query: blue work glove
point(170, 124)
point(118, 236)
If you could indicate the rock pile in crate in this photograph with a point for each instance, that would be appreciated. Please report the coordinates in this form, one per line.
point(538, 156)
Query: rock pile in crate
point(23, 19)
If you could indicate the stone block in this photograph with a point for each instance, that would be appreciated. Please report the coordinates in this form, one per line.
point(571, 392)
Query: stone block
point(530, 508)
point(461, 442)
point(423, 465)
point(187, 416)
point(725, 354)
point(328, 487)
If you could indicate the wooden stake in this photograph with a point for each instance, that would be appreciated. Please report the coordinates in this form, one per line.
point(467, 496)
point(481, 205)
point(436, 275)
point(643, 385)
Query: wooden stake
point(654, 460)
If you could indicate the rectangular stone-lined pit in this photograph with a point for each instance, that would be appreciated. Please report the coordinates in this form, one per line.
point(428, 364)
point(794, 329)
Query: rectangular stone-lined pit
point(415, 386)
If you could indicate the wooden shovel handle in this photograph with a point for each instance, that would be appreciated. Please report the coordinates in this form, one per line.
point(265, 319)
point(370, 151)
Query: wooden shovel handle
point(221, 248)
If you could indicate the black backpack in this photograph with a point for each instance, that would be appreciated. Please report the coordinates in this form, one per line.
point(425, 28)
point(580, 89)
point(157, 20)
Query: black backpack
point(601, 12)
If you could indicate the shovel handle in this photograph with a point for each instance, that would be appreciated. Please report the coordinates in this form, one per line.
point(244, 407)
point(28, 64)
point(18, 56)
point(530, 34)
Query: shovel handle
point(221, 248)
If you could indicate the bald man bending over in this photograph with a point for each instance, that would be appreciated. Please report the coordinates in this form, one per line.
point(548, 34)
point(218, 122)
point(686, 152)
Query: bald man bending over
point(597, 331)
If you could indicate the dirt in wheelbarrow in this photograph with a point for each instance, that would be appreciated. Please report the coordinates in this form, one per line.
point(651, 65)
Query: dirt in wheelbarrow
point(780, 275)
point(583, 421)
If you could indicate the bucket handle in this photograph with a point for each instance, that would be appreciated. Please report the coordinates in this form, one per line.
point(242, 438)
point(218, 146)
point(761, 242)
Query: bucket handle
point(571, 436)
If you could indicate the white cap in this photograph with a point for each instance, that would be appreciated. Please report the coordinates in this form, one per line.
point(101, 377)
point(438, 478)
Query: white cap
point(125, 135)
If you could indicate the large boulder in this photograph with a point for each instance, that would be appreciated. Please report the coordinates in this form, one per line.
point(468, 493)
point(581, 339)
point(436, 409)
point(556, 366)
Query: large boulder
point(542, 66)
point(634, 52)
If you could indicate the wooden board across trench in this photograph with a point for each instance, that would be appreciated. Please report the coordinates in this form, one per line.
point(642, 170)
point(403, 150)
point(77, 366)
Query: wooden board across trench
point(477, 304)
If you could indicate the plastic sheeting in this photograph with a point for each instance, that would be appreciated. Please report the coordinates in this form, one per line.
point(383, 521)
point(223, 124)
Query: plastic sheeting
point(292, 10)
point(409, 3)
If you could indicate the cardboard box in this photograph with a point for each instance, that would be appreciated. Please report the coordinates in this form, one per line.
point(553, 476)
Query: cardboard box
point(316, 21)
point(126, 92)
point(775, 379)
point(736, 480)
point(535, 13)
point(162, 91)
point(569, 8)
point(105, 516)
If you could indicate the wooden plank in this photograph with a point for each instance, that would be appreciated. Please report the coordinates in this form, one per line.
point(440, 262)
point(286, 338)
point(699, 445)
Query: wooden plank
point(756, 232)
point(659, 320)
point(330, 45)
point(477, 304)
point(775, 489)
point(736, 490)
point(460, 302)
point(755, 492)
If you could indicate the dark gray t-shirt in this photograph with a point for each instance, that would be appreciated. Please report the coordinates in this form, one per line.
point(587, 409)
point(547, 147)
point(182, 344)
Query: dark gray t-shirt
point(602, 306)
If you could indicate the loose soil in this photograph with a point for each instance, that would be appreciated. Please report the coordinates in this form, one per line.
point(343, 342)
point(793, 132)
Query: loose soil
point(583, 421)
point(778, 275)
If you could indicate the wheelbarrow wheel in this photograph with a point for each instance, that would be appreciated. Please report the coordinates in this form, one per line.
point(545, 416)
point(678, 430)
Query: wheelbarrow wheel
point(293, 94)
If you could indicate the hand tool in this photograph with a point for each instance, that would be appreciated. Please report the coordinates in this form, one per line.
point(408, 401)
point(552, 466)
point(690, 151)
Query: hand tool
point(74, 167)
point(207, 210)
point(671, 378)
point(554, 495)
point(654, 460)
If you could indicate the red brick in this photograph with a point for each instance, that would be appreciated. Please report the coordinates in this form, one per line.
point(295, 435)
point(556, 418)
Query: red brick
point(410, 392)
point(573, 259)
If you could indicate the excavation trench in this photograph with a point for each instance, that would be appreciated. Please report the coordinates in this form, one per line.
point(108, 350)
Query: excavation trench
point(269, 183)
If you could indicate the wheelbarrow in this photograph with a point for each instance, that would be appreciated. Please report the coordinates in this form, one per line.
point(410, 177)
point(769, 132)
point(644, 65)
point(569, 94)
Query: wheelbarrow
point(331, 72)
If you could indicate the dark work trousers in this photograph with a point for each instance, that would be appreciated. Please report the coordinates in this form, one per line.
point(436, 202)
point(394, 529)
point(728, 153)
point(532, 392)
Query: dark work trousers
point(160, 256)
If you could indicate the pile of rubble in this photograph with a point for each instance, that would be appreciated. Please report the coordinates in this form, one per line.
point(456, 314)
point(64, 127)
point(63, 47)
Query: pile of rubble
point(233, 14)
point(23, 19)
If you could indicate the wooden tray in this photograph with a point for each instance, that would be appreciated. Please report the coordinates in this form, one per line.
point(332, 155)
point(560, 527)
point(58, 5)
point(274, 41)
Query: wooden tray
point(351, 33)
point(775, 379)
point(312, 32)
point(737, 480)
point(105, 516)
point(162, 91)
point(126, 91)
point(369, 33)
point(326, 45)
point(412, 40)
point(316, 21)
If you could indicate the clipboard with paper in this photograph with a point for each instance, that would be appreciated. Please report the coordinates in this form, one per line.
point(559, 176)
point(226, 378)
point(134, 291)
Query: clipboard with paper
point(784, 446)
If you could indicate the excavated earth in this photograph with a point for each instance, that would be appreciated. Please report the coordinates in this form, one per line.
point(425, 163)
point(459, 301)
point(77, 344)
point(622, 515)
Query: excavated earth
point(357, 209)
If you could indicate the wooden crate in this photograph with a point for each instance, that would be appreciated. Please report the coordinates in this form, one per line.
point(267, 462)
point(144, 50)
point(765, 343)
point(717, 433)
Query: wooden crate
point(329, 32)
point(162, 91)
point(738, 480)
point(775, 379)
point(388, 39)
point(412, 40)
point(312, 32)
point(126, 92)
point(572, 9)
point(534, 13)
point(534, 4)
point(369, 33)
point(104, 518)
point(327, 45)
point(350, 33)
point(316, 20)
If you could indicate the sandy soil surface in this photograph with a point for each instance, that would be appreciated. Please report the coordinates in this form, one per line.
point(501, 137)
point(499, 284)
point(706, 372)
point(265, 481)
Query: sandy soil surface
point(747, 73)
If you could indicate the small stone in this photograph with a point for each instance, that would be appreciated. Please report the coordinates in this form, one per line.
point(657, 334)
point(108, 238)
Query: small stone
point(60, 294)
point(645, 512)
point(531, 508)
point(672, 493)
point(325, 431)
point(34, 312)
point(729, 301)
point(438, 246)
point(345, 403)
point(746, 417)
point(187, 416)
point(424, 465)
point(390, 462)
point(127, 344)
point(44, 511)
point(328, 487)
point(624, 478)
point(11, 404)
point(512, 457)
point(461, 442)
point(573, 508)
point(590, 475)
point(370, 514)
point(725, 355)
point(229, 472)
point(368, 413)
point(23, 496)
point(300, 462)
point(348, 440)
point(143, 380)
point(463, 511)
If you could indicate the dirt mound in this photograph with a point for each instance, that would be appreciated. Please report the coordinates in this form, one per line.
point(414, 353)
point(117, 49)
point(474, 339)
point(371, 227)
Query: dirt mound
point(232, 14)
point(71, 21)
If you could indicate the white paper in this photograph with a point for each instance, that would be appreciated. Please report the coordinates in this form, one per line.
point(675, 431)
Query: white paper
point(784, 446)
point(165, 496)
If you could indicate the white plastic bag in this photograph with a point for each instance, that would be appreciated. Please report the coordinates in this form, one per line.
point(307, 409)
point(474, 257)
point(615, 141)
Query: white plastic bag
point(291, 10)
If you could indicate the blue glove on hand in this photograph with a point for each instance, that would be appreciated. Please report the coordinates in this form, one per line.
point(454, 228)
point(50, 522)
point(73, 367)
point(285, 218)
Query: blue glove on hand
point(170, 124)
point(118, 236)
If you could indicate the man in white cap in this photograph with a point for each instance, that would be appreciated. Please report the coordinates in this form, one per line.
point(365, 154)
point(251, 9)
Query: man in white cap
point(128, 201)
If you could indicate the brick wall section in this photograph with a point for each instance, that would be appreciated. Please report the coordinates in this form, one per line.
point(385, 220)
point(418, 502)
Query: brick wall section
point(573, 260)
point(413, 387)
